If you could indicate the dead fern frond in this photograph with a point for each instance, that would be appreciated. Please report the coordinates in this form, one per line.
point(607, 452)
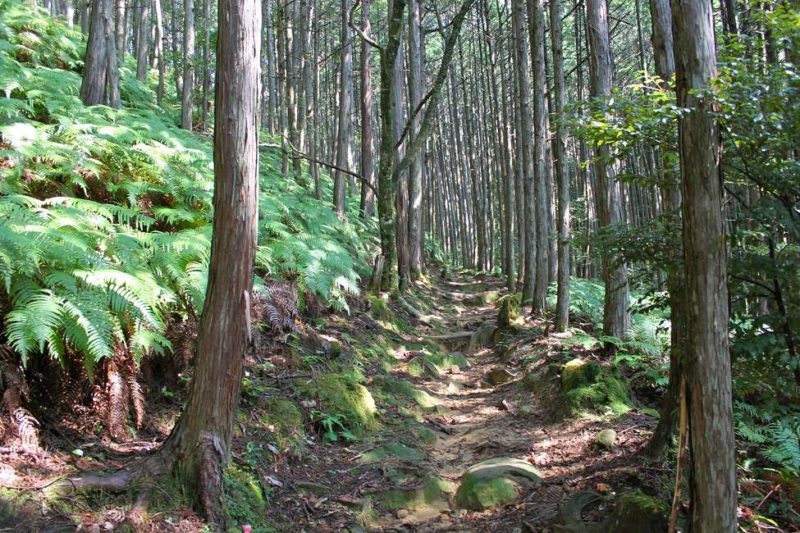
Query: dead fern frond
point(15, 386)
point(280, 307)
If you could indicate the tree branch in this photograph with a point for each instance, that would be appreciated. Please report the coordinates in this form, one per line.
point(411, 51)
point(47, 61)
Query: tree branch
point(367, 39)
point(307, 157)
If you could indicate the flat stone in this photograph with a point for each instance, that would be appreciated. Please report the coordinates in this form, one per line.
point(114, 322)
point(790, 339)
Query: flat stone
point(403, 513)
point(495, 482)
point(606, 438)
point(498, 376)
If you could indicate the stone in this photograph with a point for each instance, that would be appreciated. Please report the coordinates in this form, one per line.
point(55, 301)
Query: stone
point(577, 373)
point(637, 512)
point(403, 513)
point(455, 369)
point(498, 376)
point(481, 338)
point(526, 410)
point(494, 483)
point(606, 438)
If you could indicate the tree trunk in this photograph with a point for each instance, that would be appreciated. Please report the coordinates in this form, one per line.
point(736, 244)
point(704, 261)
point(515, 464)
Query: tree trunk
point(540, 174)
point(143, 31)
point(200, 442)
point(367, 117)
point(616, 318)
point(708, 373)
point(100, 84)
point(416, 73)
point(344, 141)
point(187, 97)
point(559, 166)
point(160, 44)
point(524, 137)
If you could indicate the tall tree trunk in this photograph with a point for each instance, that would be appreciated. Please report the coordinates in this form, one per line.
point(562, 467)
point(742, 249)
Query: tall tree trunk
point(187, 97)
point(177, 69)
point(160, 44)
point(120, 24)
point(661, 17)
point(708, 372)
point(206, 58)
point(616, 317)
point(344, 141)
point(200, 442)
point(416, 171)
point(367, 117)
point(524, 136)
point(559, 166)
point(540, 174)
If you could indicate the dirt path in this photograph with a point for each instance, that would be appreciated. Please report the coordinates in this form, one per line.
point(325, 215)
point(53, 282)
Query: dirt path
point(404, 478)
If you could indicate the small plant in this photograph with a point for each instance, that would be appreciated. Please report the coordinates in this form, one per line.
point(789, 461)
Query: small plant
point(333, 426)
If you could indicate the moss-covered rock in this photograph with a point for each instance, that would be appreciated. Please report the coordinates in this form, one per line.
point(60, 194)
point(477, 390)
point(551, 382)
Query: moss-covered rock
point(245, 501)
point(509, 311)
point(433, 492)
point(577, 373)
point(482, 337)
point(343, 395)
point(380, 310)
point(495, 482)
point(587, 385)
point(606, 438)
point(433, 360)
point(637, 512)
point(282, 417)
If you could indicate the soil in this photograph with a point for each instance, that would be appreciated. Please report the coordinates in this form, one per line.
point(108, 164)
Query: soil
point(319, 487)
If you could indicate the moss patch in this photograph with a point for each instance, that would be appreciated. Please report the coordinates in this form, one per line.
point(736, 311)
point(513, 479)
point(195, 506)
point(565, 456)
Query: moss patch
point(398, 387)
point(392, 449)
point(282, 417)
point(495, 482)
point(343, 395)
point(509, 311)
point(245, 501)
point(637, 512)
point(434, 491)
point(577, 373)
point(609, 393)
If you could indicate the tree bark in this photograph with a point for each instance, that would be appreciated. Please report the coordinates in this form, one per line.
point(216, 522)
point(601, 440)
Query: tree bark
point(187, 97)
point(616, 317)
point(708, 373)
point(344, 140)
point(416, 73)
point(143, 30)
point(100, 83)
point(524, 136)
point(367, 116)
point(200, 443)
point(540, 174)
point(559, 166)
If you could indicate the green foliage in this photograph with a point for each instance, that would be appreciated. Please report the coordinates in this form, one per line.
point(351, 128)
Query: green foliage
point(105, 215)
point(346, 407)
point(772, 431)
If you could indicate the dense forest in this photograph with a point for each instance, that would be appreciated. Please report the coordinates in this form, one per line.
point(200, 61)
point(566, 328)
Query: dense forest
point(400, 265)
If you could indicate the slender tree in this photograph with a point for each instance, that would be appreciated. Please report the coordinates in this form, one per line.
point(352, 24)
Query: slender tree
point(616, 317)
point(100, 84)
point(187, 96)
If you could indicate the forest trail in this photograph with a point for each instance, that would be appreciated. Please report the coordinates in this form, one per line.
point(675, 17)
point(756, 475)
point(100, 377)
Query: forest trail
point(405, 477)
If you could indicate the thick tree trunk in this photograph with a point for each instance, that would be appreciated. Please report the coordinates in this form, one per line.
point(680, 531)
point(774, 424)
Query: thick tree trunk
point(100, 84)
point(200, 442)
point(616, 317)
point(187, 97)
point(559, 166)
point(708, 372)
